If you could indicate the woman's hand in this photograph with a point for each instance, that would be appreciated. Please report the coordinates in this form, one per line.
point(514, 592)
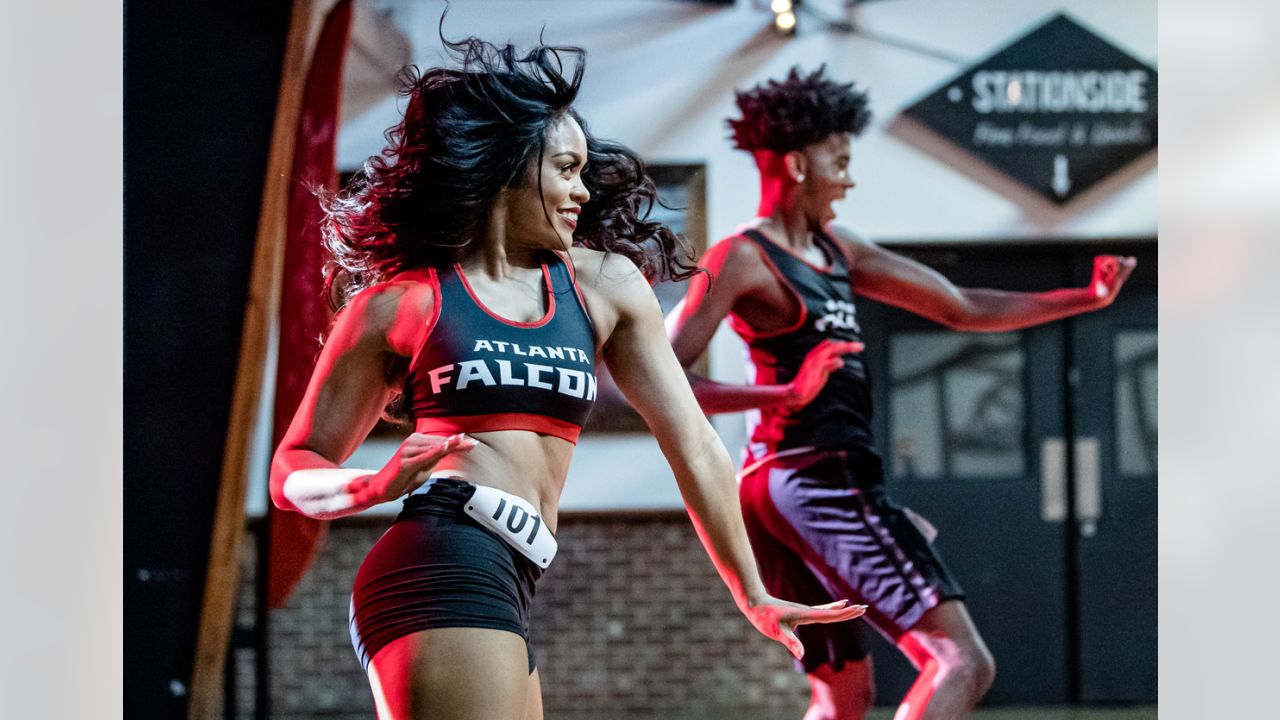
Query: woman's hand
point(412, 463)
point(825, 358)
point(1109, 274)
point(778, 619)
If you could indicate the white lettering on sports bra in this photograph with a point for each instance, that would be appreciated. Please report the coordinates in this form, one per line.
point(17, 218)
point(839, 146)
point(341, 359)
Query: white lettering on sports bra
point(469, 370)
point(840, 314)
point(504, 374)
point(535, 373)
point(551, 352)
point(574, 383)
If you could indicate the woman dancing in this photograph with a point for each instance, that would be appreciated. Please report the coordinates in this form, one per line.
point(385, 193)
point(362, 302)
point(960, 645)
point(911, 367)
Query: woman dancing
point(486, 261)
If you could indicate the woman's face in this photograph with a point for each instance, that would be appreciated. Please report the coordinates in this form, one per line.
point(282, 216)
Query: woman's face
point(548, 218)
point(827, 178)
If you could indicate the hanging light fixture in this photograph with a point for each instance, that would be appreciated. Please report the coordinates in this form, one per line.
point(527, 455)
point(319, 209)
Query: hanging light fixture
point(784, 16)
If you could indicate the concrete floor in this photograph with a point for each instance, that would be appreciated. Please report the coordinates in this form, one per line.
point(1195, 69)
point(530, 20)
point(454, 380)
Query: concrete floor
point(1005, 713)
point(1041, 713)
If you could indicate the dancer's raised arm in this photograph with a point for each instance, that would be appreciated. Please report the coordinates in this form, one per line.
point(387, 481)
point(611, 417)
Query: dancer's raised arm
point(647, 371)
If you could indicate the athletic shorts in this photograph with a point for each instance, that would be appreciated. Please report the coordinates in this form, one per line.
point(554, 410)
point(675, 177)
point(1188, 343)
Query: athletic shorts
point(435, 567)
point(822, 529)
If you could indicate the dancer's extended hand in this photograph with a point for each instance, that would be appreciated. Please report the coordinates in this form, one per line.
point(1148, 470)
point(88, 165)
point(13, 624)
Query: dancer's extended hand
point(1109, 274)
point(778, 619)
point(825, 358)
point(410, 467)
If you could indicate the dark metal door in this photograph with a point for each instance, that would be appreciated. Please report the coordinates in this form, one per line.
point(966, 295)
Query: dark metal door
point(985, 435)
point(1114, 405)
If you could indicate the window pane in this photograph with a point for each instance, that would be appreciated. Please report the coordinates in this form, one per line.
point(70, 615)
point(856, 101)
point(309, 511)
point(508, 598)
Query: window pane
point(956, 406)
point(1135, 393)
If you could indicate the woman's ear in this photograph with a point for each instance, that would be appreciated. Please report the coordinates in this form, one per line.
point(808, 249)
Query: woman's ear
point(797, 165)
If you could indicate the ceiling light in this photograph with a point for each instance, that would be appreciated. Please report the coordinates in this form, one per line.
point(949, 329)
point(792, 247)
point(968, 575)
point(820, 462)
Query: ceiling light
point(785, 22)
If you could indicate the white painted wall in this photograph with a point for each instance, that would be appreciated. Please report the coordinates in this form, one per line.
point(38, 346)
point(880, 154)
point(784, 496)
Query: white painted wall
point(661, 75)
point(660, 78)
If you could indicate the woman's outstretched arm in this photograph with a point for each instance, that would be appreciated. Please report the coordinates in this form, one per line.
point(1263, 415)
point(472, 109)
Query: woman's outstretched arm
point(902, 282)
point(345, 397)
point(646, 369)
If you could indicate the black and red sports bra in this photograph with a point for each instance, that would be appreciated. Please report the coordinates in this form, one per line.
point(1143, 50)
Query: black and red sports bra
point(477, 371)
point(840, 416)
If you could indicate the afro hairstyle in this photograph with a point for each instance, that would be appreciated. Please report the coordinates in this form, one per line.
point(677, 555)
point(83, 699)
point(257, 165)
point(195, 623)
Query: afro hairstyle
point(799, 111)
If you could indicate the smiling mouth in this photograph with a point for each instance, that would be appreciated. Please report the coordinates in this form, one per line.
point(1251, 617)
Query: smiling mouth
point(570, 217)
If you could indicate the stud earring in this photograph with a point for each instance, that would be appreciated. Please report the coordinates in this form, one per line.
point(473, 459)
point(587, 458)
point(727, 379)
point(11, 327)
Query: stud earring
point(800, 178)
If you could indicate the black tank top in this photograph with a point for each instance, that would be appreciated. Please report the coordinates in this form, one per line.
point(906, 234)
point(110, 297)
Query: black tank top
point(477, 371)
point(840, 416)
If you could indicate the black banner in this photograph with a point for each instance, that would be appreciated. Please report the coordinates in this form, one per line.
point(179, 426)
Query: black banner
point(1057, 110)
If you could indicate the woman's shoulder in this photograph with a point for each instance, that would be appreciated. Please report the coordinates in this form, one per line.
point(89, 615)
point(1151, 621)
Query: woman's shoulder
point(614, 288)
point(735, 253)
point(605, 272)
point(384, 308)
point(391, 293)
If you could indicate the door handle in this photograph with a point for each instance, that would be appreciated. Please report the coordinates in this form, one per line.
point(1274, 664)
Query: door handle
point(1088, 499)
point(1053, 479)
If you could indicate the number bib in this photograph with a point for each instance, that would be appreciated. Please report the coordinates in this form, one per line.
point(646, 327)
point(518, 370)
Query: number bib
point(515, 521)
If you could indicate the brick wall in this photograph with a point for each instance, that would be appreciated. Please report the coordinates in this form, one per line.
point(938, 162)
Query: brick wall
point(631, 621)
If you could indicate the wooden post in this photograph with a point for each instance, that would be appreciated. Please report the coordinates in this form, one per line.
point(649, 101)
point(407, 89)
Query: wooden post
point(222, 576)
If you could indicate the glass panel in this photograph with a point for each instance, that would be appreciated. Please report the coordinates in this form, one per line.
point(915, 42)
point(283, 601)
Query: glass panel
point(956, 406)
point(1135, 393)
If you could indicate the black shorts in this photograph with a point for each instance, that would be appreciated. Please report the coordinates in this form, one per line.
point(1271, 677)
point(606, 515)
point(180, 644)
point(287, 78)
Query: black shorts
point(822, 529)
point(435, 567)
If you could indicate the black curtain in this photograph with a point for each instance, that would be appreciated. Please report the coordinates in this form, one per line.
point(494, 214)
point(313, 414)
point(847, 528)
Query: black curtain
point(200, 91)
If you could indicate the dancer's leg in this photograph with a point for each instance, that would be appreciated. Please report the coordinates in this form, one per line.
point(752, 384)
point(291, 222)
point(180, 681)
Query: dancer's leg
point(452, 674)
point(844, 694)
point(956, 669)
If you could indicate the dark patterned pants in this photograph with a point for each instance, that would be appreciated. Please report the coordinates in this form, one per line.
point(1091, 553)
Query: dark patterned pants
point(823, 529)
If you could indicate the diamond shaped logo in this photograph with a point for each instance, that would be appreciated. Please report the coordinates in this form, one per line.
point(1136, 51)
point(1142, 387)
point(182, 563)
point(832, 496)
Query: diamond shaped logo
point(1057, 110)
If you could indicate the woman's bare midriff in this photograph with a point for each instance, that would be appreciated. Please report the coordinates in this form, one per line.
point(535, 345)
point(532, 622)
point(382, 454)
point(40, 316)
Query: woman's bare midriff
point(520, 462)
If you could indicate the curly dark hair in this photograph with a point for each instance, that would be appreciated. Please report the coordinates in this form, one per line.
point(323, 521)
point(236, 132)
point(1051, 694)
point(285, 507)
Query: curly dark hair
point(799, 111)
point(466, 134)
